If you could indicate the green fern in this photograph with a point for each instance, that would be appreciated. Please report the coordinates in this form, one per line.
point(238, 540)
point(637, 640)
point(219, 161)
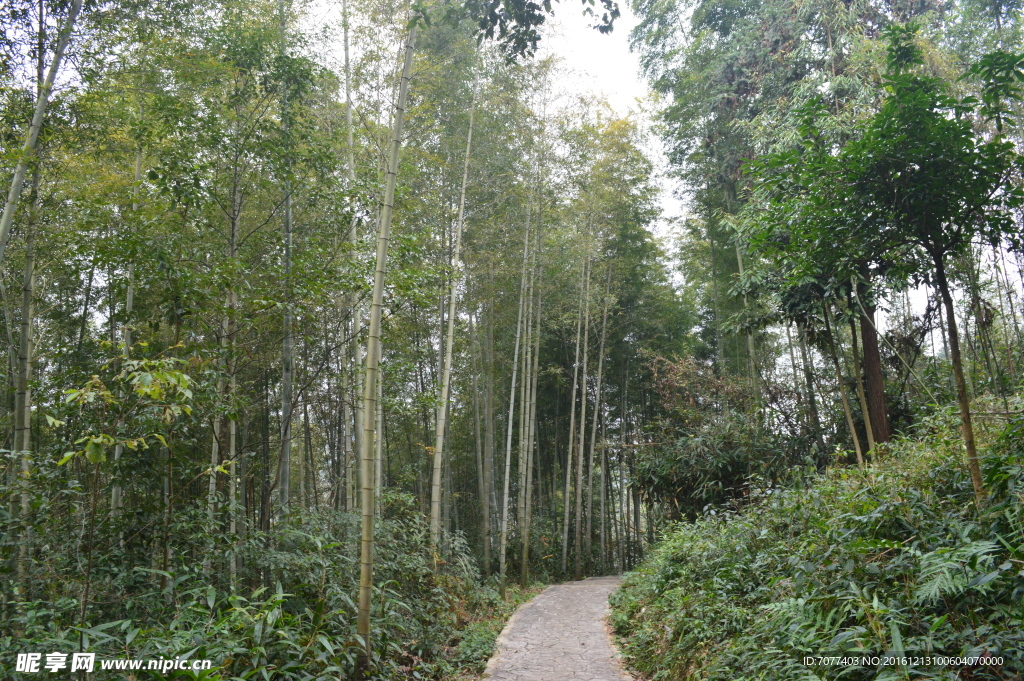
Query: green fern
point(950, 570)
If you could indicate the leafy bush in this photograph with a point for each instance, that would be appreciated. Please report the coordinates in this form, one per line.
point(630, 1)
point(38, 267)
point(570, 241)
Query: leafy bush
point(297, 617)
point(891, 560)
point(711, 443)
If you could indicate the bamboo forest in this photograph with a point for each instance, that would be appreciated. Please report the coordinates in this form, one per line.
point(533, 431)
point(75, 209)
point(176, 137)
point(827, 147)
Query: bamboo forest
point(372, 339)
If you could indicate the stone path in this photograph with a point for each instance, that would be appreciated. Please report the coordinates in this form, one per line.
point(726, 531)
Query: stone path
point(560, 635)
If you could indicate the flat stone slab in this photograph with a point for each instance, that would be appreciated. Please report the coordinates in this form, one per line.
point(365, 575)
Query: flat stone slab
point(560, 635)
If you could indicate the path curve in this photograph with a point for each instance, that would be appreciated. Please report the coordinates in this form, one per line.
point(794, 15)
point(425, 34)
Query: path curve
point(560, 635)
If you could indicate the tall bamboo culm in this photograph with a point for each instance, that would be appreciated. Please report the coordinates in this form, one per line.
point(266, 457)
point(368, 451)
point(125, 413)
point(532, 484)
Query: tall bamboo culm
point(369, 410)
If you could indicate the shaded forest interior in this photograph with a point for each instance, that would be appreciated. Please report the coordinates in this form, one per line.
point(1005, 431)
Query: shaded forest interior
point(330, 330)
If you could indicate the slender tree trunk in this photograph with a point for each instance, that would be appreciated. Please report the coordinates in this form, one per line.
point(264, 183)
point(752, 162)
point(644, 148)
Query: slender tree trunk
point(961, 384)
point(627, 529)
point(572, 432)
point(597, 414)
point(524, 411)
point(23, 400)
point(812, 404)
point(842, 389)
point(792, 365)
point(489, 428)
point(342, 497)
point(126, 331)
point(531, 453)
point(477, 439)
point(1006, 300)
point(28, 149)
point(308, 464)
point(378, 441)
point(446, 506)
point(287, 366)
point(237, 521)
point(874, 382)
point(861, 396)
point(637, 529)
point(624, 439)
point(531, 431)
point(23, 391)
point(578, 534)
point(449, 341)
point(1009, 297)
point(503, 536)
point(230, 364)
point(604, 497)
point(368, 492)
point(719, 347)
point(211, 489)
point(350, 150)
point(755, 381)
point(85, 307)
point(620, 525)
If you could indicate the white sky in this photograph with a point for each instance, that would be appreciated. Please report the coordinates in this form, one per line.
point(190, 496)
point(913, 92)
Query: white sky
point(603, 65)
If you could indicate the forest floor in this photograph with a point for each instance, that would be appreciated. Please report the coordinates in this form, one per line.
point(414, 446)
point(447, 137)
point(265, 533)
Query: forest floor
point(560, 635)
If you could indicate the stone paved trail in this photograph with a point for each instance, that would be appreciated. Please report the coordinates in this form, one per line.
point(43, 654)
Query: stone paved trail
point(560, 635)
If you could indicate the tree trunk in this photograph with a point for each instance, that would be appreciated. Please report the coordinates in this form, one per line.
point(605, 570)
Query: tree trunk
point(637, 529)
point(812, 404)
point(755, 381)
point(368, 492)
point(287, 367)
point(378, 441)
point(578, 534)
point(624, 440)
point(792, 365)
point(874, 382)
point(26, 344)
point(211, 489)
point(446, 372)
point(861, 396)
point(842, 390)
point(446, 488)
point(503, 536)
point(620, 525)
point(23, 399)
point(232, 326)
point(531, 433)
point(236, 523)
point(597, 413)
point(342, 497)
point(719, 346)
point(350, 151)
point(604, 497)
point(572, 433)
point(488, 501)
point(308, 478)
point(961, 385)
point(126, 331)
point(477, 439)
point(524, 411)
point(28, 150)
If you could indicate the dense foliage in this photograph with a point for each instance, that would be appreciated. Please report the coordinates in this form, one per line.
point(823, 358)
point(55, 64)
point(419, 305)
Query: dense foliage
point(892, 561)
point(303, 627)
point(193, 463)
point(325, 324)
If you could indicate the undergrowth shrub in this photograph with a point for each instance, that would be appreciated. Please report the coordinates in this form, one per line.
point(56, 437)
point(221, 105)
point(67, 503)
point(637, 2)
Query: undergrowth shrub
point(711, 444)
point(893, 560)
point(292, 615)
